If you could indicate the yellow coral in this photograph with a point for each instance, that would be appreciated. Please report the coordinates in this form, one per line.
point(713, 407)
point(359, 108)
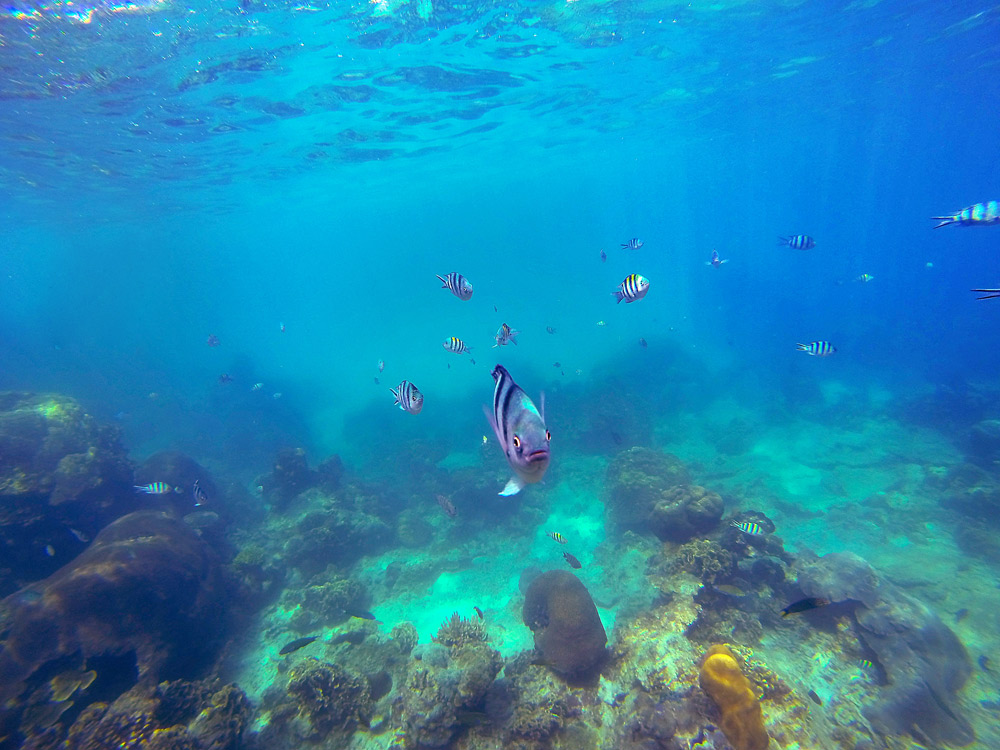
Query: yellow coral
point(742, 720)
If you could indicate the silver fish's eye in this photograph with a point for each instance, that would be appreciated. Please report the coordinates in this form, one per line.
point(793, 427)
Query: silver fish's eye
point(548, 435)
point(517, 441)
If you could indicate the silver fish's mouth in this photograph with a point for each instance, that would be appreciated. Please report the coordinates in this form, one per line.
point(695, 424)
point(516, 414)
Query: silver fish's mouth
point(539, 455)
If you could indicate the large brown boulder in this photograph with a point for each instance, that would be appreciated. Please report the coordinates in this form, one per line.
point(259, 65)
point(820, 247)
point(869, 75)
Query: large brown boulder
point(569, 635)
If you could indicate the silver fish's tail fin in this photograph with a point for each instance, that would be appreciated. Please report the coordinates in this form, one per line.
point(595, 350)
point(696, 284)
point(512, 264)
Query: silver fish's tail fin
point(396, 395)
point(784, 241)
point(619, 295)
point(945, 220)
point(802, 347)
point(444, 282)
point(987, 293)
point(513, 337)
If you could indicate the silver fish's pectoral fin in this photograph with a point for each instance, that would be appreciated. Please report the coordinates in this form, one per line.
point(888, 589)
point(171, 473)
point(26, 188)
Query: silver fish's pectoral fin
point(515, 485)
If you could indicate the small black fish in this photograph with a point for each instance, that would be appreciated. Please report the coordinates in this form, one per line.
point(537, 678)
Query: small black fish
point(478, 612)
point(604, 257)
point(616, 437)
point(556, 364)
point(361, 614)
point(550, 329)
point(804, 605)
point(472, 360)
point(961, 614)
point(495, 308)
point(296, 645)
point(814, 698)
point(984, 663)
point(573, 562)
point(642, 343)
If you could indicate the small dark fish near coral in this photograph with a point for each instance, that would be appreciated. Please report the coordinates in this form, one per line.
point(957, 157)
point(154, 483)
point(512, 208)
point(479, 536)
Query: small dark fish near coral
point(804, 605)
point(447, 506)
point(478, 612)
point(573, 562)
point(361, 614)
point(296, 645)
point(815, 698)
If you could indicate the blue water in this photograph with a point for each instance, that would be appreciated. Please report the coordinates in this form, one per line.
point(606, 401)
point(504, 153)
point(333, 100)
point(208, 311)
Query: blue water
point(197, 170)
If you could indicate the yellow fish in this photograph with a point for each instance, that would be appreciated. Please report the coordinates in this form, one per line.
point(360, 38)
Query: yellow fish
point(485, 440)
point(557, 537)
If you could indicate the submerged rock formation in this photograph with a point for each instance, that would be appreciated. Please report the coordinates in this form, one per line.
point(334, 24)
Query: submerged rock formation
point(148, 587)
point(569, 635)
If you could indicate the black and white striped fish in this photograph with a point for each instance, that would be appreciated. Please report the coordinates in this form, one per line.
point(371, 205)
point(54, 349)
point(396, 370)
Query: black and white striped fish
point(505, 335)
point(798, 241)
point(749, 527)
point(457, 284)
point(200, 498)
point(520, 430)
point(633, 244)
point(456, 345)
point(818, 348)
point(979, 215)
point(634, 287)
point(256, 387)
point(156, 488)
point(408, 397)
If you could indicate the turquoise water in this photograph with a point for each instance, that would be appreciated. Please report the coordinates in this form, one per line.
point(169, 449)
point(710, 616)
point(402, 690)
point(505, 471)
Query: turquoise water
point(290, 178)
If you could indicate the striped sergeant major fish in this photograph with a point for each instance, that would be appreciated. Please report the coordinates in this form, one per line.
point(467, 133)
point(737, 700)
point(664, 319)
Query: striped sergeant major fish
point(556, 537)
point(979, 215)
point(456, 345)
point(633, 244)
point(157, 488)
point(408, 397)
point(198, 494)
point(749, 527)
point(457, 284)
point(505, 335)
point(798, 242)
point(817, 348)
point(634, 287)
point(520, 430)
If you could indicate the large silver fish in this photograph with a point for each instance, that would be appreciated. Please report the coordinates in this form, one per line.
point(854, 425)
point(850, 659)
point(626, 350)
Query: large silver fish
point(408, 397)
point(520, 430)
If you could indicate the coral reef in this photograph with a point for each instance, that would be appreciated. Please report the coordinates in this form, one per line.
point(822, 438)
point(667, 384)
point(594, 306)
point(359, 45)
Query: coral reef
point(458, 631)
point(652, 491)
point(441, 684)
point(684, 512)
point(147, 586)
point(723, 680)
point(635, 481)
point(338, 534)
point(329, 598)
point(330, 699)
point(63, 476)
point(704, 559)
point(568, 632)
point(924, 662)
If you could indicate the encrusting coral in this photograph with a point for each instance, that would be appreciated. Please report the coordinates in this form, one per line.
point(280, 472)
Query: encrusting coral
point(724, 682)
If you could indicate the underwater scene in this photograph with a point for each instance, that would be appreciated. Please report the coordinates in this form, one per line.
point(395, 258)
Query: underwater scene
point(549, 374)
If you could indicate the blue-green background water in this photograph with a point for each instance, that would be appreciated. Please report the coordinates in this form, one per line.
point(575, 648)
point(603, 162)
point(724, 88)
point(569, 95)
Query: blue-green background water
point(221, 169)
